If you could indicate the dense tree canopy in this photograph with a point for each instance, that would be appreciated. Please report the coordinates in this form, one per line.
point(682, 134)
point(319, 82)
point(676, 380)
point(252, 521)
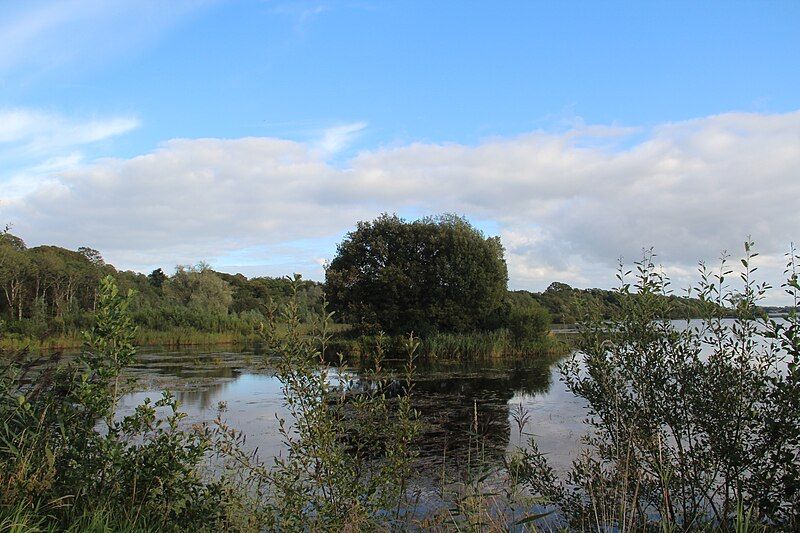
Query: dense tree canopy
point(49, 290)
point(432, 274)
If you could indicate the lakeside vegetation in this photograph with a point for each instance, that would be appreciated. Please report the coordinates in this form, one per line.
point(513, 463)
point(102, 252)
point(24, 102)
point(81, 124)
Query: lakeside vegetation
point(49, 295)
point(689, 429)
point(438, 277)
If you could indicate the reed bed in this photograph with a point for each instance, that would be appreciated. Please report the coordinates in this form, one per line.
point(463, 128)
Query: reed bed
point(476, 346)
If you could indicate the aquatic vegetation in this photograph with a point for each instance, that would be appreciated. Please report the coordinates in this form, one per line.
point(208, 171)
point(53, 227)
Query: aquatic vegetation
point(477, 346)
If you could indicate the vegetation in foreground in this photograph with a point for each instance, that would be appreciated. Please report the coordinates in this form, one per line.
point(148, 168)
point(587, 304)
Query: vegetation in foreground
point(689, 429)
point(66, 461)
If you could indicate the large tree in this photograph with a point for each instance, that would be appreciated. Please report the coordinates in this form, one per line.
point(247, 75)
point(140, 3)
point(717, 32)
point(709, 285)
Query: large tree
point(434, 274)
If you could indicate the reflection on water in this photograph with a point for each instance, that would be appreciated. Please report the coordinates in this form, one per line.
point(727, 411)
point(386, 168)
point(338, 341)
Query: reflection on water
point(457, 404)
point(453, 401)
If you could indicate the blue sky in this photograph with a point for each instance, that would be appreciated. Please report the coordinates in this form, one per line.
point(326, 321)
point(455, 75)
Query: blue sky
point(416, 71)
point(359, 92)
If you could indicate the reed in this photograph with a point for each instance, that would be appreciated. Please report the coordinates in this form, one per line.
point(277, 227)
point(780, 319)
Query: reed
point(475, 346)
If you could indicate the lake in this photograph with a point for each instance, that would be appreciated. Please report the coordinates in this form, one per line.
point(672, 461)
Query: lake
point(447, 395)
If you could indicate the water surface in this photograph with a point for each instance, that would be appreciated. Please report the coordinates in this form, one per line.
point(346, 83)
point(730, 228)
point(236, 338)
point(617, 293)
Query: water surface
point(450, 397)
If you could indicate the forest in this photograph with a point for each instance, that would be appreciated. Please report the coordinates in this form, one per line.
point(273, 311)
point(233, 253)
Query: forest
point(50, 292)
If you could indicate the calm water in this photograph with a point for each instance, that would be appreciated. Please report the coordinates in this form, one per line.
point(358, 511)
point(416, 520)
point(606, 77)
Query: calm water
point(446, 395)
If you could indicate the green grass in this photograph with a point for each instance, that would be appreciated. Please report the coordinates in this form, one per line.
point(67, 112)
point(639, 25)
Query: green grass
point(175, 337)
point(144, 337)
point(22, 518)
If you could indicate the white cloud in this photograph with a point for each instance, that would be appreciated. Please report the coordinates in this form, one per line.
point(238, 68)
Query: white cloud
point(336, 138)
point(37, 146)
point(32, 132)
point(568, 205)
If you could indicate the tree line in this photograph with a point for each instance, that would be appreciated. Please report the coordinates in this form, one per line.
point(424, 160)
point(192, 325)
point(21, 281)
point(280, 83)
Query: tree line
point(569, 305)
point(429, 276)
point(49, 290)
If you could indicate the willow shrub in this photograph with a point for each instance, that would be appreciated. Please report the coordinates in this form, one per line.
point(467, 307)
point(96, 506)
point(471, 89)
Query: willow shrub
point(689, 427)
point(66, 458)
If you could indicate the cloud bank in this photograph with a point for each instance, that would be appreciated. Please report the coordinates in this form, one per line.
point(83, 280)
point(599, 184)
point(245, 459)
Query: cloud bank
point(567, 205)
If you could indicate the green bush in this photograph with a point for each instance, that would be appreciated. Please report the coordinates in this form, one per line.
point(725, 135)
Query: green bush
point(689, 428)
point(64, 455)
point(68, 463)
point(525, 318)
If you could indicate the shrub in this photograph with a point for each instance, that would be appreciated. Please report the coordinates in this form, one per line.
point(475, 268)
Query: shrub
point(350, 445)
point(526, 319)
point(65, 456)
point(689, 428)
point(68, 463)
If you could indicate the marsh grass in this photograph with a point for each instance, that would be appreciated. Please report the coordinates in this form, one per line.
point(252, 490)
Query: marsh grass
point(171, 338)
point(477, 346)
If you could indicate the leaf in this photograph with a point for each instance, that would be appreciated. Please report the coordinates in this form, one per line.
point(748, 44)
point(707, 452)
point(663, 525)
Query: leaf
point(531, 518)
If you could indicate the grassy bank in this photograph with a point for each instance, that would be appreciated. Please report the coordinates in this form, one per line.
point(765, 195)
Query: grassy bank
point(143, 337)
point(175, 337)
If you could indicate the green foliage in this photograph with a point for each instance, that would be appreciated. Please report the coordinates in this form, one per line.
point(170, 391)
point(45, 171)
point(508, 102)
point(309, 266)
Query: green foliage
point(198, 287)
point(524, 317)
point(157, 278)
point(689, 427)
point(65, 458)
point(49, 294)
point(434, 274)
point(350, 445)
point(568, 305)
point(475, 346)
point(67, 463)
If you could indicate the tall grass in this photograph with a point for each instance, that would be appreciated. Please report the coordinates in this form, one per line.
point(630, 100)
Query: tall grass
point(475, 346)
point(173, 337)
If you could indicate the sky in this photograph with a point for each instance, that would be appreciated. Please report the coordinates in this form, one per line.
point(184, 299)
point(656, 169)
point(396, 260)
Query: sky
point(254, 134)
